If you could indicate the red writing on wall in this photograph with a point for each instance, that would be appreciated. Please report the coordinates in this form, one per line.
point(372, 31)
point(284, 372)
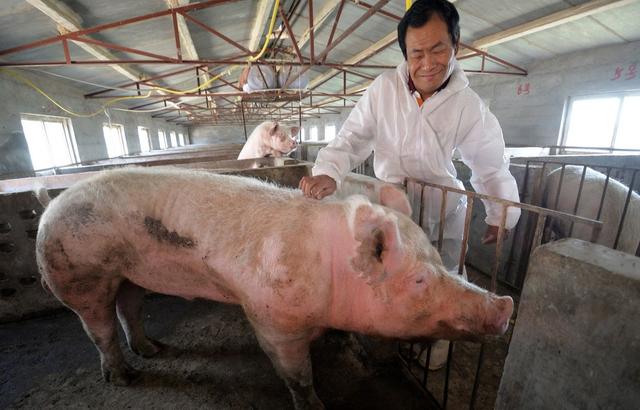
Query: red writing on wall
point(524, 89)
point(626, 73)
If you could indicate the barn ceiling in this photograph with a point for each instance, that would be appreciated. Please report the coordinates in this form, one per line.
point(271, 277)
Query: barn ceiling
point(182, 60)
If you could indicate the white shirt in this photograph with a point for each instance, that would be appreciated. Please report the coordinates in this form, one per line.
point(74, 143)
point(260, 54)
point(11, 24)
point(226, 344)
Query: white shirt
point(419, 142)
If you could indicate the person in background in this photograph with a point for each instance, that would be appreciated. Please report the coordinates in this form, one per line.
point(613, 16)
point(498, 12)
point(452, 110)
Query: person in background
point(413, 118)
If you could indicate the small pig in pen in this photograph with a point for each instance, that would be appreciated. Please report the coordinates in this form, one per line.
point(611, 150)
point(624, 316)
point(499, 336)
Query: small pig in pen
point(269, 139)
point(589, 205)
point(296, 266)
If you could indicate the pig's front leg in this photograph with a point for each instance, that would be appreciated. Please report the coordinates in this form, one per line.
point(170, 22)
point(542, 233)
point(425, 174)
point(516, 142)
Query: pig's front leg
point(290, 356)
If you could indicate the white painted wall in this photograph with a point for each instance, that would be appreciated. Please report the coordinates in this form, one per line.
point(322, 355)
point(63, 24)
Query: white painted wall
point(18, 98)
point(536, 118)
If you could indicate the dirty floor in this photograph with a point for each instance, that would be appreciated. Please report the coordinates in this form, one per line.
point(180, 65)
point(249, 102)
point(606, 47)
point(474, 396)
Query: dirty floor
point(212, 361)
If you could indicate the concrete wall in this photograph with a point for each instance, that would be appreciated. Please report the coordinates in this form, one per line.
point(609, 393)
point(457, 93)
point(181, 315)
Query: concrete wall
point(536, 118)
point(576, 342)
point(220, 134)
point(18, 98)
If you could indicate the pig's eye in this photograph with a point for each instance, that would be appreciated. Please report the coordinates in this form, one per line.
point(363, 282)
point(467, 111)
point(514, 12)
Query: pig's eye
point(420, 280)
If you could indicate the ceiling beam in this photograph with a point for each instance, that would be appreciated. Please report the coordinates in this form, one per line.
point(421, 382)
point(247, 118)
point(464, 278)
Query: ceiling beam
point(546, 22)
point(69, 21)
point(358, 58)
point(262, 16)
point(189, 51)
point(319, 19)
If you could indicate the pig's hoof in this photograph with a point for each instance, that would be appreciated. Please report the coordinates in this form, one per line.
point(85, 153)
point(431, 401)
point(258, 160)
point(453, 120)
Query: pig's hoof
point(122, 376)
point(148, 348)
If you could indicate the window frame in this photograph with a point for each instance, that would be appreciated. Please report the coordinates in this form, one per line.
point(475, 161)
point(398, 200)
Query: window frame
point(620, 95)
point(122, 135)
point(335, 132)
point(149, 144)
point(162, 139)
point(67, 127)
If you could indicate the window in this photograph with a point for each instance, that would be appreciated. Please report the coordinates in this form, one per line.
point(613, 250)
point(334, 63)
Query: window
point(174, 139)
point(608, 121)
point(303, 134)
point(313, 133)
point(180, 139)
point(163, 139)
point(115, 140)
point(143, 136)
point(50, 140)
point(329, 132)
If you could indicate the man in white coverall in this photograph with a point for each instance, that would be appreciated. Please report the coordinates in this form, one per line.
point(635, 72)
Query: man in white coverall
point(413, 119)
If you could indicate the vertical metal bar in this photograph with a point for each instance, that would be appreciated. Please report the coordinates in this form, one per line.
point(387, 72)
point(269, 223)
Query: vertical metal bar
point(65, 46)
point(496, 267)
point(575, 208)
point(445, 395)
point(344, 87)
point(539, 189)
point(523, 194)
point(443, 209)
point(198, 80)
point(537, 236)
point(626, 208)
point(465, 237)
point(426, 367)
point(176, 34)
point(138, 88)
point(555, 204)
point(244, 122)
point(311, 36)
point(476, 381)
point(616, 125)
point(604, 191)
point(300, 123)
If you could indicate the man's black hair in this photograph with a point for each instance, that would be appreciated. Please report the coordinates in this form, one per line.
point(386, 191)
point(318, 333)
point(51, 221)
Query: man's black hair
point(420, 13)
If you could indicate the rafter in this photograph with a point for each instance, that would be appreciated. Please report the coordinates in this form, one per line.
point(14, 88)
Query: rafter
point(546, 22)
point(262, 15)
point(358, 58)
point(69, 21)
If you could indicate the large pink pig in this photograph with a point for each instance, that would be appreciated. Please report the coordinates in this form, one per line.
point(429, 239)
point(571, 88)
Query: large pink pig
point(269, 139)
point(296, 266)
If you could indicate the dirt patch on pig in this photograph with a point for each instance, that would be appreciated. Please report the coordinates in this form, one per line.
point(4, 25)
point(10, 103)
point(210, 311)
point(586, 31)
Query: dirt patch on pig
point(156, 228)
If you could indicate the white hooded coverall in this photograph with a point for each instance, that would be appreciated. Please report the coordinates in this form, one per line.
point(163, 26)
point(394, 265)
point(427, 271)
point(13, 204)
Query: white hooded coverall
point(419, 142)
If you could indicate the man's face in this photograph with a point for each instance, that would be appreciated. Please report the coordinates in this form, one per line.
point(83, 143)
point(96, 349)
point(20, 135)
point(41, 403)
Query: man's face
point(429, 55)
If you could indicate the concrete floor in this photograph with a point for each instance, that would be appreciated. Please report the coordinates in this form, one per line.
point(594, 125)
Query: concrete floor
point(212, 361)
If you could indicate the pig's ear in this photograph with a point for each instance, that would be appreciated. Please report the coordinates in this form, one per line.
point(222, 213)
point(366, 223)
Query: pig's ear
point(274, 128)
point(294, 131)
point(394, 198)
point(380, 249)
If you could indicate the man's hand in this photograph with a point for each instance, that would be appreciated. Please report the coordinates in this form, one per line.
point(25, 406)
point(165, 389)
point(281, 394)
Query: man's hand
point(491, 235)
point(317, 187)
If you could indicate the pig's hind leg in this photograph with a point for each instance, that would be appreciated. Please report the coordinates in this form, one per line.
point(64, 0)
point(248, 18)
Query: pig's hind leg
point(291, 359)
point(97, 312)
point(129, 301)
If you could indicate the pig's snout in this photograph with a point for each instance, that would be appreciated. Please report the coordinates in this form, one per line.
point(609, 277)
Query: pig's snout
point(498, 323)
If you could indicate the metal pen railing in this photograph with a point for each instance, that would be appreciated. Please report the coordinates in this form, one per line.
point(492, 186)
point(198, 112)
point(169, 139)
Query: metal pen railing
point(407, 351)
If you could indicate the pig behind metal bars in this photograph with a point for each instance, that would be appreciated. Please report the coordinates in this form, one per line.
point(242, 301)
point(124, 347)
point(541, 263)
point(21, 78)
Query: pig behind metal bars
point(269, 139)
point(296, 266)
